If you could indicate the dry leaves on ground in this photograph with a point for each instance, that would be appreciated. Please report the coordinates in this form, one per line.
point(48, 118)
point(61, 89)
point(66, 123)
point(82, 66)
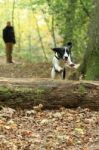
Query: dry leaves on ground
point(63, 129)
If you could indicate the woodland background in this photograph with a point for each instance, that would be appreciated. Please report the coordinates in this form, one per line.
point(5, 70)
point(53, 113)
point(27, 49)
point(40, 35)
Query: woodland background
point(36, 112)
point(43, 24)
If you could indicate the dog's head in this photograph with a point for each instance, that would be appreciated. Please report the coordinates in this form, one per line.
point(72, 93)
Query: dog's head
point(63, 52)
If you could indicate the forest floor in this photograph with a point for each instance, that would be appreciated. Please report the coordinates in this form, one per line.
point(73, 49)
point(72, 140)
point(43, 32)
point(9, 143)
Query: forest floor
point(37, 129)
point(21, 69)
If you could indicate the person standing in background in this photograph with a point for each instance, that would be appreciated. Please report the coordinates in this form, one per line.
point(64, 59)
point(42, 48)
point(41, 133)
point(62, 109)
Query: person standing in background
point(9, 40)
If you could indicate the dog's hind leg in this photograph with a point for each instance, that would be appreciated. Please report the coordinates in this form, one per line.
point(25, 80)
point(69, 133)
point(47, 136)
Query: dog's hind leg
point(64, 73)
point(53, 73)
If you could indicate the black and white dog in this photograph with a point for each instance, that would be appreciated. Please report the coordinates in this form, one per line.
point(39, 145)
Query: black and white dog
point(61, 54)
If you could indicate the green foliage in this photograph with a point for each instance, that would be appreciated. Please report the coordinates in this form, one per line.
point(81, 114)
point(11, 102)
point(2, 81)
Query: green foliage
point(93, 68)
point(81, 89)
point(4, 89)
point(39, 91)
point(71, 20)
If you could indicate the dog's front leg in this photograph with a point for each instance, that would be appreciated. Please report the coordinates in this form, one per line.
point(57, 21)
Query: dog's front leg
point(63, 73)
point(56, 68)
point(56, 65)
point(53, 73)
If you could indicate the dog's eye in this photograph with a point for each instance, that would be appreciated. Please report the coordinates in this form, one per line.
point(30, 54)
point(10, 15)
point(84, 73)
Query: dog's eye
point(67, 51)
point(63, 51)
point(60, 50)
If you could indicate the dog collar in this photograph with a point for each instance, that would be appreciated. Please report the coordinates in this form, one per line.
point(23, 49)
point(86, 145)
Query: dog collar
point(57, 57)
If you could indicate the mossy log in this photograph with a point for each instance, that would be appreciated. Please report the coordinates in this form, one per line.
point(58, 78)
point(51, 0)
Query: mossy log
point(26, 93)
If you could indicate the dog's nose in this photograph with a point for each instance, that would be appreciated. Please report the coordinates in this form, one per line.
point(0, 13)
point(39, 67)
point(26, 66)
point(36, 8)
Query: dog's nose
point(65, 58)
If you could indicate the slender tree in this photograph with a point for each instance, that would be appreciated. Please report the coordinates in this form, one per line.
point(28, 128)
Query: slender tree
point(52, 28)
point(13, 8)
point(39, 35)
point(70, 20)
point(19, 32)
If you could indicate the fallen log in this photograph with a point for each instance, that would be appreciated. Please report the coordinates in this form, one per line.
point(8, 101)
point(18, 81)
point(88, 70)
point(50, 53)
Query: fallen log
point(26, 93)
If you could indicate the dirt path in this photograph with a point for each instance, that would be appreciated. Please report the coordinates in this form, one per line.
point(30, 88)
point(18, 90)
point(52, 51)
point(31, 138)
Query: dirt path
point(21, 69)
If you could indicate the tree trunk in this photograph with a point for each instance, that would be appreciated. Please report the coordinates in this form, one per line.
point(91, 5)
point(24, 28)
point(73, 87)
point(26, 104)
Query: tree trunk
point(90, 65)
point(13, 7)
point(39, 35)
point(70, 21)
point(52, 94)
point(19, 33)
point(52, 28)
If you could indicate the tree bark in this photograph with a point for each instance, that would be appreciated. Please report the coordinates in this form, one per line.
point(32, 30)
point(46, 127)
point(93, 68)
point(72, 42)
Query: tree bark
point(70, 21)
point(52, 94)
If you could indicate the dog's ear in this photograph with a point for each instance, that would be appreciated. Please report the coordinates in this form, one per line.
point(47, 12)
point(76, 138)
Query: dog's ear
point(54, 49)
point(57, 49)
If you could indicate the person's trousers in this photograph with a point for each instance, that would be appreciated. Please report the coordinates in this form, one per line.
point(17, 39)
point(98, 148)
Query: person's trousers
point(9, 49)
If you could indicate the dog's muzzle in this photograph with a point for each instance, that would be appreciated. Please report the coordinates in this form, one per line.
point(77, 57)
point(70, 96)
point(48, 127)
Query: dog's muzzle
point(65, 58)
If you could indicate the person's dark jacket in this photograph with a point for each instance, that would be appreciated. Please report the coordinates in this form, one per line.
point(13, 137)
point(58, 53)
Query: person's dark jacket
point(9, 35)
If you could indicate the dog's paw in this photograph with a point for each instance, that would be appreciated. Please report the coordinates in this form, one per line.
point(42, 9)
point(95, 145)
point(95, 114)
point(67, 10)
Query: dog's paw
point(72, 65)
point(61, 70)
point(76, 66)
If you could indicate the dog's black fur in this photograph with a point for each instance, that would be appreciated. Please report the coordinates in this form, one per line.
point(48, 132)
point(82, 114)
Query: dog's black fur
point(61, 50)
